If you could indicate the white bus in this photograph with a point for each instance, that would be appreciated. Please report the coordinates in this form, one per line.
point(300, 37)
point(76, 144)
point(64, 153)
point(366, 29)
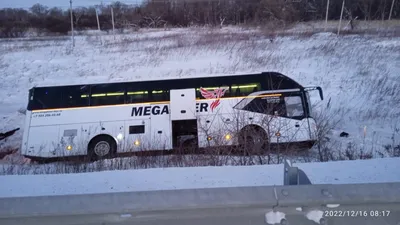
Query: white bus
point(102, 120)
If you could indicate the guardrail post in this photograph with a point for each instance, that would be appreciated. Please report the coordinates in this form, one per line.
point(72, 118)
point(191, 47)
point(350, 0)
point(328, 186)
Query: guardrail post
point(294, 175)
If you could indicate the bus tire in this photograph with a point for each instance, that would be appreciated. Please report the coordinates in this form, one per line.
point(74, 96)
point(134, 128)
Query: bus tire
point(101, 147)
point(252, 139)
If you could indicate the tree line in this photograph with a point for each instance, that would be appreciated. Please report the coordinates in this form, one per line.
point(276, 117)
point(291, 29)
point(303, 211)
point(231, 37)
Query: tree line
point(16, 22)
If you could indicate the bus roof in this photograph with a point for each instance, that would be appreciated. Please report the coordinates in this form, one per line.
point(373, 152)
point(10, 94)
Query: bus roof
point(273, 78)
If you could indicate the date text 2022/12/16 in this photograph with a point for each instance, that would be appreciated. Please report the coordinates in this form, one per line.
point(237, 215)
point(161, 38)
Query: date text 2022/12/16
point(356, 213)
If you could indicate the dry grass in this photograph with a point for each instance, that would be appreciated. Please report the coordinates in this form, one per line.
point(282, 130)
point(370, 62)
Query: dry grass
point(35, 39)
point(358, 26)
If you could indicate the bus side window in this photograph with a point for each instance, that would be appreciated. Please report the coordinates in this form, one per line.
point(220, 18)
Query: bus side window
point(107, 94)
point(267, 105)
point(227, 91)
point(237, 91)
point(136, 96)
point(159, 96)
point(75, 96)
point(276, 106)
point(245, 89)
point(45, 98)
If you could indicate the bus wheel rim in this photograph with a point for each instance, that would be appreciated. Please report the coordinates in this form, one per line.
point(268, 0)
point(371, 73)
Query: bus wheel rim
point(102, 148)
point(254, 143)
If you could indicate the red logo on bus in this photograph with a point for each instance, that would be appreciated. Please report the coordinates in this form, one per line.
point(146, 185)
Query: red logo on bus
point(216, 94)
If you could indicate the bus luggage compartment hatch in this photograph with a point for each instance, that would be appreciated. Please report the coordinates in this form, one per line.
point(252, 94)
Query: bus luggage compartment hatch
point(183, 104)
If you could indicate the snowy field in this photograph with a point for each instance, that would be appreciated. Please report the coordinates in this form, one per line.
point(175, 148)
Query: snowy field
point(360, 74)
point(343, 172)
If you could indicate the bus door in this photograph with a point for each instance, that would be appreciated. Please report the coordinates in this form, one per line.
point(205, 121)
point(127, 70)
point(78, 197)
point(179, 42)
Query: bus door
point(183, 116)
point(295, 126)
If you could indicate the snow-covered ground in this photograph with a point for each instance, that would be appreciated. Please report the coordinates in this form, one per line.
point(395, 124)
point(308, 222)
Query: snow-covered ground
point(360, 74)
point(343, 172)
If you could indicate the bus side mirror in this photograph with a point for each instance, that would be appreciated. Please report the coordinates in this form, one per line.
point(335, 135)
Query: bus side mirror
point(320, 93)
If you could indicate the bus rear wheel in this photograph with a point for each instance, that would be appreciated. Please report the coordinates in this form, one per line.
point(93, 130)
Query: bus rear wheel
point(101, 147)
point(252, 140)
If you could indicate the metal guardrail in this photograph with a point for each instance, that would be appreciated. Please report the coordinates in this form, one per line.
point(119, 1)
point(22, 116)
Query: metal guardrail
point(215, 205)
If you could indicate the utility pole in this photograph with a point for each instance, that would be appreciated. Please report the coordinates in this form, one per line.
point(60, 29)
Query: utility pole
point(340, 21)
point(72, 24)
point(391, 10)
point(112, 21)
point(97, 18)
point(98, 26)
point(326, 15)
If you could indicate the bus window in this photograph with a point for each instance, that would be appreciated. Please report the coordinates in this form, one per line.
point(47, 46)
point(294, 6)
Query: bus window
point(136, 96)
point(294, 106)
point(107, 94)
point(75, 96)
point(159, 95)
point(45, 98)
point(270, 105)
point(245, 89)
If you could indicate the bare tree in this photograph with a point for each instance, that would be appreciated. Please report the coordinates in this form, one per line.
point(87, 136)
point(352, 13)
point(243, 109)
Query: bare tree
point(159, 13)
point(39, 10)
point(78, 13)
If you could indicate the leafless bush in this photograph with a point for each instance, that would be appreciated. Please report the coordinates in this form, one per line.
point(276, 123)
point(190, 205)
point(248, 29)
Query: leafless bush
point(335, 150)
point(393, 149)
point(352, 153)
point(326, 121)
point(4, 151)
point(13, 31)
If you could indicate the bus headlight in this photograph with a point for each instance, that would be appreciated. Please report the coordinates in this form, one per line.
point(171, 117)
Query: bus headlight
point(120, 136)
point(228, 137)
point(69, 147)
point(137, 143)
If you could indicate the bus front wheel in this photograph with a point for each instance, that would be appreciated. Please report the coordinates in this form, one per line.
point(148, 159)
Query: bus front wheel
point(252, 140)
point(101, 147)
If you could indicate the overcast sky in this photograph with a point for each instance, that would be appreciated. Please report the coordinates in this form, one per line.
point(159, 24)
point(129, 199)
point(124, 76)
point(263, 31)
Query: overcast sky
point(57, 3)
